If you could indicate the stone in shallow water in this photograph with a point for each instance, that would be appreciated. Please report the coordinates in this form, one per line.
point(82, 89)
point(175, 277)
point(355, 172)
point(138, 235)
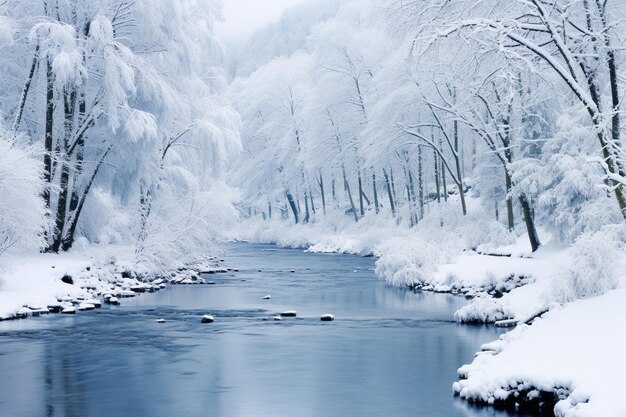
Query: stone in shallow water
point(267, 297)
point(161, 321)
point(54, 308)
point(96, 303)
point(327, 317)
point(208, 319)
point(69, 310)
point(86, 307)
point(288, 314)
point(277, 318)
point(112, 300)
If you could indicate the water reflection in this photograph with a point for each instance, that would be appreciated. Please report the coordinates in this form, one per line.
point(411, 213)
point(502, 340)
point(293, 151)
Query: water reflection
point(390, 352)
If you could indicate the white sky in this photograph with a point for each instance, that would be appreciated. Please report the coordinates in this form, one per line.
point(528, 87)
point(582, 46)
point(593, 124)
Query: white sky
point(243, 17)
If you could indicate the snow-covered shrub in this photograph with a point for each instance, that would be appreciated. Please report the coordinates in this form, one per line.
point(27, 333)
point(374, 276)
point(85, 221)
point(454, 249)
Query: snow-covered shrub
point(22, 212)
point(594, 264)
point(482, 310)
point(408, 261)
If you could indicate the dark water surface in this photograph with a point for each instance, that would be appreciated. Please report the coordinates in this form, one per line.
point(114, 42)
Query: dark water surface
point(390, 352)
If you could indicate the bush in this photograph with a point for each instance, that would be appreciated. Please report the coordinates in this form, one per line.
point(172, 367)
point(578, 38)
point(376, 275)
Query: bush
point(593, 266)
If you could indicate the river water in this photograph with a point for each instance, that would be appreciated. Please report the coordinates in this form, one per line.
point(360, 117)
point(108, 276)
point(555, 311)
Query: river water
point(390, 352)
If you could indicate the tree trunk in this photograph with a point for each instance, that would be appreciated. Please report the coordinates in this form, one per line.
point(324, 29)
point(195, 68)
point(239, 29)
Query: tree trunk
point(375, 190)
point(62, 203)
point(509, 200)
point(307, 214)
point(361, 206)
point(535, 243)
point(420, 181)
point(48, 140)
point(69, 237)
point(293, 206)
point(346, 186)
point(437, 175)
point(389, 193)
point(393, 186)
point(20, 108)
point(321, 183)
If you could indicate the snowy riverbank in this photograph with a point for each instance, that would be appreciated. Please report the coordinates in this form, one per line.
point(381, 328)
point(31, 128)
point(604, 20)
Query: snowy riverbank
point(43, 283)
point(566, 301)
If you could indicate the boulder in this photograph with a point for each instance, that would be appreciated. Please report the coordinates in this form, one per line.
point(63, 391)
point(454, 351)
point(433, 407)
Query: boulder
point(69, 310)
point(288, 314)
point(86, 307)
point(267, 297)
point(327, 317)
point(208, 319)
point(112, 300)
point(54, 308)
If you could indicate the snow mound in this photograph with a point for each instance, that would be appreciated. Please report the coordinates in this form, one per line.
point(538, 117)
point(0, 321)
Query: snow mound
point(573, 354)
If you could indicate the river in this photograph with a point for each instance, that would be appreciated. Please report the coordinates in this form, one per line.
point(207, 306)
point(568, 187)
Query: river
point(390, 352)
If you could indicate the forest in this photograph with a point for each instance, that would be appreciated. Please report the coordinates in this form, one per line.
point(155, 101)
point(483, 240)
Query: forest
point(472, 147)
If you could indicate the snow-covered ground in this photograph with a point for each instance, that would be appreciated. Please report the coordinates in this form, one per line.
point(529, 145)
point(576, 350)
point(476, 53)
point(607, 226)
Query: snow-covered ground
point(575, 352)
point(31, 285)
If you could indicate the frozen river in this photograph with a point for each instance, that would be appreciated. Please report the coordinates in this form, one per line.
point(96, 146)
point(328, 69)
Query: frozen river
point(390, 352)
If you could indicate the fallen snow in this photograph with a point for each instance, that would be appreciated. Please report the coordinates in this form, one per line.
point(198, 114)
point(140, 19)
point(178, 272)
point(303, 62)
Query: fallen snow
point(33, 283)
point(579, 347)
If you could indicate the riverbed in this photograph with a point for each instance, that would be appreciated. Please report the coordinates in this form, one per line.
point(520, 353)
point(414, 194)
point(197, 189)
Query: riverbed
point(389, 352)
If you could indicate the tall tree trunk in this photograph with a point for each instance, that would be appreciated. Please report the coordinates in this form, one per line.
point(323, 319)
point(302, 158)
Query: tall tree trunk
point(375, 190)
point(420, 181)
point(69, 237)
point(321, 183)
point(389, 193)
point(313, 210)
point(437, 175)
point(69, 103)
point(413, 195)
point(293, 206)
point(346, 186)
point(444, 182)
point(535, 243)
point(393, 186)
point(22, 104)
point(509, 200)
point(307, 214)
point(361, 195)
point(80, 154)
point(48, 139)
point(459, 169)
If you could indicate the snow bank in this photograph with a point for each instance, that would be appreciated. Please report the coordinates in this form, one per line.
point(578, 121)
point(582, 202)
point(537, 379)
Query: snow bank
point(341, 235)
point(574, 353)
point(33, 283)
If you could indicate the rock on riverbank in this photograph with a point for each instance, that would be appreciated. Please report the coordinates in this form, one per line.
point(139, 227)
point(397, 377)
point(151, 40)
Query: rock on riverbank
point(49, 283)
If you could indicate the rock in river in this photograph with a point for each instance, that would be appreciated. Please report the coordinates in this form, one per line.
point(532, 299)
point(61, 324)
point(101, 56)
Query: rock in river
point(267, 297)
point(69, 310)
point(208, 319)
point(288, 314)
point(327, 317)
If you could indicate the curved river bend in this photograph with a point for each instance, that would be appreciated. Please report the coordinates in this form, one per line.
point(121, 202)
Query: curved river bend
point(390, 352)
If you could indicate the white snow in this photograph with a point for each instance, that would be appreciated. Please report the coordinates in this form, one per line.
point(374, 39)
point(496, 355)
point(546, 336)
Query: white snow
point(579, 347)
point(36, 281)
